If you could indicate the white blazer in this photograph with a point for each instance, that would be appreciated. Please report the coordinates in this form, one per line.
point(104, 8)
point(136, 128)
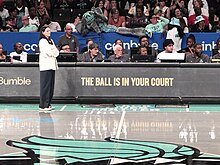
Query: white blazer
point(47, 56)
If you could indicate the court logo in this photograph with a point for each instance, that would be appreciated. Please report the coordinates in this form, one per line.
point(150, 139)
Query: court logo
point(109, 151)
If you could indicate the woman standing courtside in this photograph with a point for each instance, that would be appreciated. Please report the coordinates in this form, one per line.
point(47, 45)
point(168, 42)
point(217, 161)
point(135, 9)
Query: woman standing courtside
point(48, 65)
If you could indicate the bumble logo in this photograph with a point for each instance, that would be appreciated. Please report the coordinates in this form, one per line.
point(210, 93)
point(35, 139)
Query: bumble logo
point(15, 81)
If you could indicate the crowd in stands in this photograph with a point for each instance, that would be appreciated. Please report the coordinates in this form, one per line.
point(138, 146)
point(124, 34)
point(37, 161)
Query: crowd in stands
point(153, 15)
point(172, 17)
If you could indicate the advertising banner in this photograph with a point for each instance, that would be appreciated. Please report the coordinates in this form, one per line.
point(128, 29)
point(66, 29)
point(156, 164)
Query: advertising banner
point(105, 40)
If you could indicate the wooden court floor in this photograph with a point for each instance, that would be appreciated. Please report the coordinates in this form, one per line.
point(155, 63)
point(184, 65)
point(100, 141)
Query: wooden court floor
point(110, 134)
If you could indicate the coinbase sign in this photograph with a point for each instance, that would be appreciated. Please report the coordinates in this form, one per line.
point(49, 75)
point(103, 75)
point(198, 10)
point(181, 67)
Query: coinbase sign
point(104, 40)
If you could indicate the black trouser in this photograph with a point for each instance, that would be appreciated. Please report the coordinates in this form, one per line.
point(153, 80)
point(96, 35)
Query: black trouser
point(47, 80)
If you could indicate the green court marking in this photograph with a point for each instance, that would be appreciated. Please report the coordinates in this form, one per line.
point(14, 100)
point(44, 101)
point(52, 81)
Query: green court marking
point(116, 107)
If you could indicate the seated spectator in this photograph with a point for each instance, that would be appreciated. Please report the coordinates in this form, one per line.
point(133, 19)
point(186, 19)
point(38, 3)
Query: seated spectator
point(142, 50)
point(192, 18)
point(10, 25)
point(115, 19)
point(17, 22)
point(133, 10)
point(217, 55)
point(190, 42)
point(100, 4)
point(180, 4)
point(2, 53)
point(69, 38)
point(76, 20)
point(168, 46)
point(118, 55)
point(200, 25)
point(65, 48)
point(217, 44)
point(157, 25)
point(3, 12)
point(162, 7)
point(114, 4)
point(139, 20)
point(197, 56)
point(117, 42)
point(33, 18)
point(89, 41)
point(216, 27)
point(18, 55)
point(93, 55)
point(22, 10)
point(183, 20)
point(175, 32)
point(54, 26)
point(41, 10)
point(143, 41)
point(27, 27)
point(202, 4)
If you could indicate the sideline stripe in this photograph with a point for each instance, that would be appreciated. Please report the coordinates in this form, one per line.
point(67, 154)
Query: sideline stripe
point(120, 125)
point(63, 107)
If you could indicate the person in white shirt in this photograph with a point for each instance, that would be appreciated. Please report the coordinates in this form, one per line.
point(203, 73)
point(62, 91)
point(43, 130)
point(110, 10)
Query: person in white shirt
point(48, 66)
point(168, 46)
point(18, 55)
point(3, 12)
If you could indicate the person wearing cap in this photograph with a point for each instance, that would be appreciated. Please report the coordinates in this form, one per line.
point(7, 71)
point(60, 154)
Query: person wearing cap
point(27, 27)
point(197, 56)
point(168, 46)
point(175, 32)
point(93, 55)
point(200, 25)
point(157, 25)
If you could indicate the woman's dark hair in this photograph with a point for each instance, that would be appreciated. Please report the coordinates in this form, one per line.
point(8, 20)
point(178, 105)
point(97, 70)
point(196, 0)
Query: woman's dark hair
point(179, 29)
point(97, 3)
point(42, 29)
point(191, 36)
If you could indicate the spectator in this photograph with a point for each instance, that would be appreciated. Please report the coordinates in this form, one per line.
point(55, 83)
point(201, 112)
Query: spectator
point(17, 19)
point(33, 18)
point(139, 20)
point(178, 4)
point(100, 4)
point(65, 48)
point(2, 53)
point(200, 25)
point(183, 20)
point(162, 7)
point(11, 24)
point(93, 55)
point(216, 27)
point(70, 39)
point(157, 25)
point(118, 55)
point(114, 4)
point(197, 56)
point(41, 10)
point(117, 42)
point(217, 55)
point(19, 52)
point(22, 10)
point(175, 33)
point(142, 50)
point(168, 46)
point(202, 4)
point(54, 26)
point(133, 10)
point(76, 20)
point(115, 19)
point(192, 18)
point(143, 41)
point(190, 42)
point(89, 41)
point(3, 12)
point(27, 27)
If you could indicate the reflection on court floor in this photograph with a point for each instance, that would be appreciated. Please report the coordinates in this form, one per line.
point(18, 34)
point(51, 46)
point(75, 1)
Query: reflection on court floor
point(110, 134)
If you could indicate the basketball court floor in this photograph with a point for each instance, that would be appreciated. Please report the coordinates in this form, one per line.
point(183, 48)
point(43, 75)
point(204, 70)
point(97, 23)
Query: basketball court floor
point(110, 134)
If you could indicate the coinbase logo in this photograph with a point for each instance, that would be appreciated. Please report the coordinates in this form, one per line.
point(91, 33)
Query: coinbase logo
point(30, 47)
